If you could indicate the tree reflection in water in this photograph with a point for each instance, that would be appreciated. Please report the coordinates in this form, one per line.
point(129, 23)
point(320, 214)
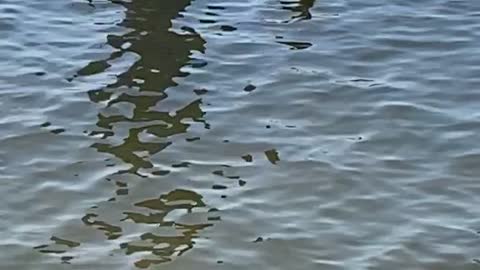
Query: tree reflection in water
point(161, 54)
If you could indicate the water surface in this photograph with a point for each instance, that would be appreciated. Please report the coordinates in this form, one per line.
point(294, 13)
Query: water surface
point(239, 134)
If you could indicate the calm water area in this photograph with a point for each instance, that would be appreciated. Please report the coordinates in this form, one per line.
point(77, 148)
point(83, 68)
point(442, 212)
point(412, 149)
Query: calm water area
point(240, 134)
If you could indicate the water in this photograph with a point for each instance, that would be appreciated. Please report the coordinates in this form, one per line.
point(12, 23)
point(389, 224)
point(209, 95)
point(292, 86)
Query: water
point(239, 134)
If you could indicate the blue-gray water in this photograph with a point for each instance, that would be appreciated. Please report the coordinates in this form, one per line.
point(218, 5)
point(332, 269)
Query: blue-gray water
point(261, 134)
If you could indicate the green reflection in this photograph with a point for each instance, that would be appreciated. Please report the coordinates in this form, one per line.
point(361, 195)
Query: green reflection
point(272, 156)
point(170, 125)
point(145, 130)
point(162, 53)
point(164, 247)
point(301, 7)
point(178, 199)
point(58, 246)
point(111, 231)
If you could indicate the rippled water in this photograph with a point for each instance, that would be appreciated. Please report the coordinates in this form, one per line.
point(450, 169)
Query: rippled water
point(261, 134)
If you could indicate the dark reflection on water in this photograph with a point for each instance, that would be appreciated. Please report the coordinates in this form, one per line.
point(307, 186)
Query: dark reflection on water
point(165, 247)
point(170, 238)
point(170, 125)
point(162, 246)
point(162, 54)
point(58, 246)
point(301, 8)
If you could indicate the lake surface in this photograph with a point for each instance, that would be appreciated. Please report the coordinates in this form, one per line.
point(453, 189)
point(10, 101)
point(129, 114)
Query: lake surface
point(241, 134)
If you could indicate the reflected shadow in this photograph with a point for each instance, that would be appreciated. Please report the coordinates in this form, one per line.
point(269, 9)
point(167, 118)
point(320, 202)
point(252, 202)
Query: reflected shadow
point(162, 53)
point(145, 130)
point(170, 237)
point(164, 247)
point(177, 218)
point(301, 7)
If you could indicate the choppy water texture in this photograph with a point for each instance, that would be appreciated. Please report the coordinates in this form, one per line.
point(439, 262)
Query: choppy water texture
point(261, 134)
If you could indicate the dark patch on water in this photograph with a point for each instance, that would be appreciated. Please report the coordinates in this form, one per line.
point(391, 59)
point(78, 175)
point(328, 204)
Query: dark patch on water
point(161, 172)
point(218, 172)
point(200, 91)
point(192, 139)
point(296, 45)
point(249, 88)
point(181, 165)
point(272, 156)
point(258, 240)
point(217, 187)
point(228, 28)
point(247, 158)
point(57, 130)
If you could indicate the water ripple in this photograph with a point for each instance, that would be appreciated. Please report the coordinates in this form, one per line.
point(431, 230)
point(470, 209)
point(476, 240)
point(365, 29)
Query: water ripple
point(244, 134)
